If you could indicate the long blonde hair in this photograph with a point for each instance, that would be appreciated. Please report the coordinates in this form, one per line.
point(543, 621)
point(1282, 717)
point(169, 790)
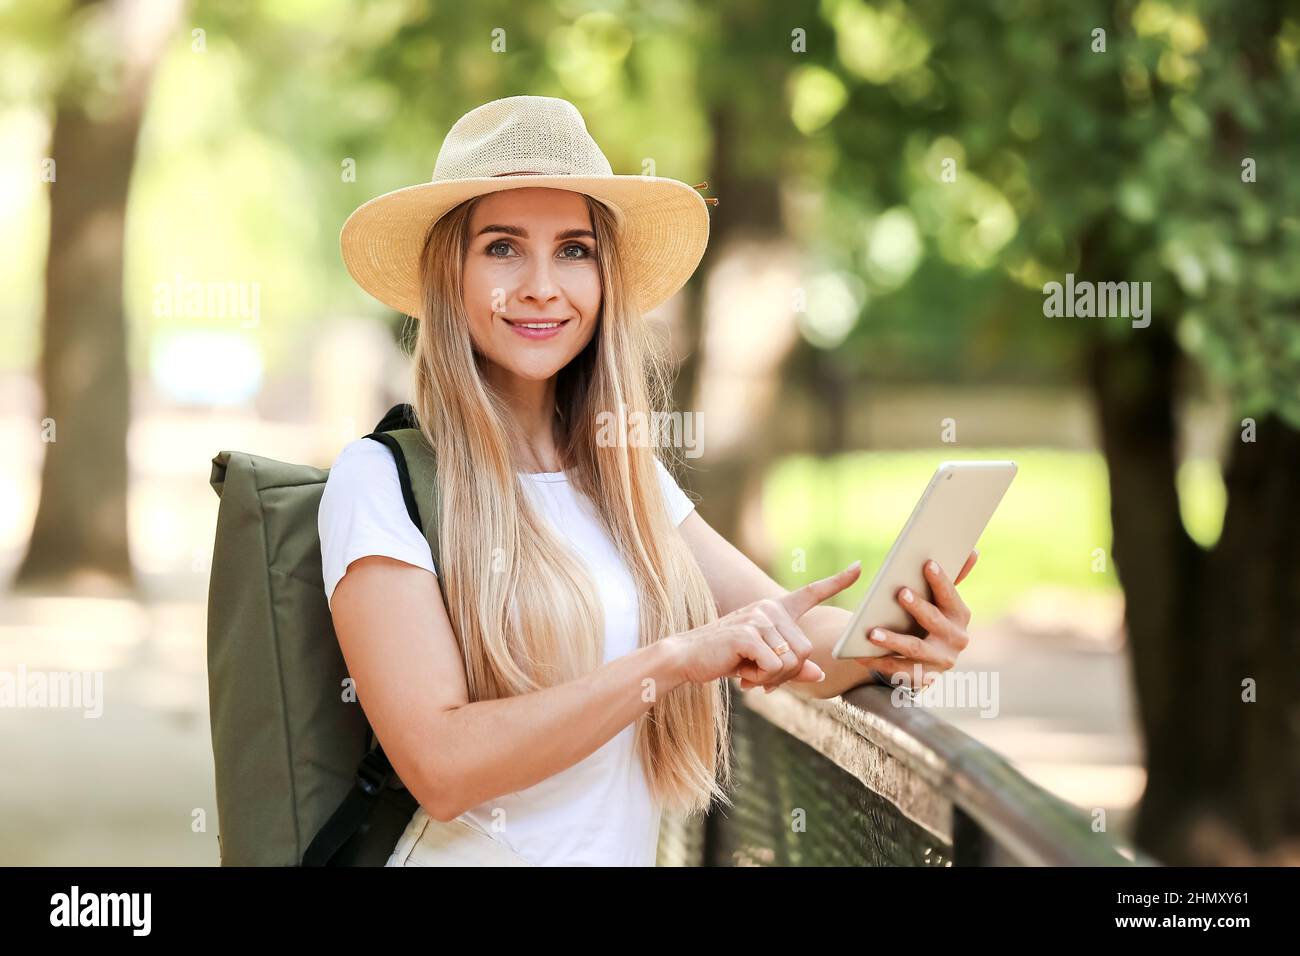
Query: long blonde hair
point(523, 607)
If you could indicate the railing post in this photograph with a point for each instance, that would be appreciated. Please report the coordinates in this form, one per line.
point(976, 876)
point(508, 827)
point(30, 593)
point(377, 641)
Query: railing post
point(971, 845)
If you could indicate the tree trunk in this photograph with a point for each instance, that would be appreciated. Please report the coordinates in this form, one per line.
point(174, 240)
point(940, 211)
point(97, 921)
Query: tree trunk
point(1134, 384)
point(1223, 775)
point(729, 481)
point(79, 538)
point(1253, 617)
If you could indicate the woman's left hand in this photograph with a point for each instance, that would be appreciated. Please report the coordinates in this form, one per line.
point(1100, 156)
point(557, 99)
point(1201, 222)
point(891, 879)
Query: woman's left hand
point(944, 622)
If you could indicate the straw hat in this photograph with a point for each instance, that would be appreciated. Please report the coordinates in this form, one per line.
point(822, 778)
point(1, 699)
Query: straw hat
point(523, 141)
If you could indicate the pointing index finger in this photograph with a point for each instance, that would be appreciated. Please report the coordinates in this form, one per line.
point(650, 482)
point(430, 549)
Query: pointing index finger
point(802, 600)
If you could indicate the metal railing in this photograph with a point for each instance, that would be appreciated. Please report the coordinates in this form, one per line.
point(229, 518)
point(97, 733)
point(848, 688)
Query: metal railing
point(858, 781)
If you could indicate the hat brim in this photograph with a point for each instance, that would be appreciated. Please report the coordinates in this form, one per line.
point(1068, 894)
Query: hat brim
point(663, 224)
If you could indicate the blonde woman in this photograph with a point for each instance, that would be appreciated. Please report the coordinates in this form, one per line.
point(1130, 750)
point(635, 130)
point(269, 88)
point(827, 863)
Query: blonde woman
point(571, 686)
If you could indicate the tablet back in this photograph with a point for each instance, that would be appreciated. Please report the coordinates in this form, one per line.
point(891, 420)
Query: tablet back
point(944, 526)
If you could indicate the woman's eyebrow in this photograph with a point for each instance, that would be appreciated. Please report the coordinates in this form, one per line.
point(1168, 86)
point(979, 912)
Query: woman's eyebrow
point(523, 233)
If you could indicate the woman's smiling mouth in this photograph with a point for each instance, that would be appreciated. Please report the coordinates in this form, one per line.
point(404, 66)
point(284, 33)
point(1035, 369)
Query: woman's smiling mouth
point(536, 328)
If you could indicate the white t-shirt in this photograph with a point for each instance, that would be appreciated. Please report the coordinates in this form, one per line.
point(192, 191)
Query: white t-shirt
point(598, 812)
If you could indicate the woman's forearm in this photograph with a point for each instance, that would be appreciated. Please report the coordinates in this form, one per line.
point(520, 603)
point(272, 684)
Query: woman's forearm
point(489, 748)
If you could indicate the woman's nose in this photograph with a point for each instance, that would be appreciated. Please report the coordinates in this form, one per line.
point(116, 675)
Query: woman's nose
point(539, 281)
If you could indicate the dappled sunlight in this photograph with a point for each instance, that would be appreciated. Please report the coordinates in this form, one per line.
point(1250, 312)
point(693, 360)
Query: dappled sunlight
point(879, 43)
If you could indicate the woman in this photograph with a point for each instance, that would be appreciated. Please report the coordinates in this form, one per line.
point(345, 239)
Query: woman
point(570, 687)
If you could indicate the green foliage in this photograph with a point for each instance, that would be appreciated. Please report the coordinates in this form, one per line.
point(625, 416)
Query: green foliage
point(1116, 165)
point(1123, 165)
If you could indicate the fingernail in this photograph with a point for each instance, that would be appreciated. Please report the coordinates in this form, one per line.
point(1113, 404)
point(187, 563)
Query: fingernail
point(934, 568)
point(856, 564)
point(877, 635)
point(907, 595)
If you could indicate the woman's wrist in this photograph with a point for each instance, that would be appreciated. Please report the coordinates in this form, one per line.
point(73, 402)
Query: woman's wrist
point(666, 664)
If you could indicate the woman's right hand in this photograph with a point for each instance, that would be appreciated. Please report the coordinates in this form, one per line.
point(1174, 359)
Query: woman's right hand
point(761, 642)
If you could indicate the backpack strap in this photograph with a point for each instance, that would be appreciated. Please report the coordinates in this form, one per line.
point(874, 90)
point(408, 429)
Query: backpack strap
point(417, 473)
point(403, 475)
point(416, 468)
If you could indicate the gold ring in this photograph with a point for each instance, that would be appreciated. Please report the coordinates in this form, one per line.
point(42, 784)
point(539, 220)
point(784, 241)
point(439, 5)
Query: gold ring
point(780, 649)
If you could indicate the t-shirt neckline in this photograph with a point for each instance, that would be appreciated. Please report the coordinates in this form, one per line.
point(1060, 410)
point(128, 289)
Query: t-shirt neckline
point(546, 476)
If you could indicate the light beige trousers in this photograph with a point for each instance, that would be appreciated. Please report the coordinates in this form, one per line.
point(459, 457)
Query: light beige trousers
point(430, 842)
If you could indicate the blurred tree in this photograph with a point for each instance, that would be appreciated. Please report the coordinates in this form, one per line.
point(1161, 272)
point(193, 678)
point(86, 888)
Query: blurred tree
point(995, 148)
point(1215, 632)
point(105, 64)
point(735, 344)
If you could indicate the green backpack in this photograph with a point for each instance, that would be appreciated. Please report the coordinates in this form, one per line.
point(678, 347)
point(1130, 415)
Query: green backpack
point(301, 779)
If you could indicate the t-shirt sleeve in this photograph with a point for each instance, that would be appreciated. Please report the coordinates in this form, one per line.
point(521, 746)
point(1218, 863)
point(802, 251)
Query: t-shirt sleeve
point(362, 512)
point(679, 505)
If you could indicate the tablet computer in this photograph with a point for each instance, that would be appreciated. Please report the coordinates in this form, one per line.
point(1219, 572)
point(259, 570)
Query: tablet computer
point(944, 526)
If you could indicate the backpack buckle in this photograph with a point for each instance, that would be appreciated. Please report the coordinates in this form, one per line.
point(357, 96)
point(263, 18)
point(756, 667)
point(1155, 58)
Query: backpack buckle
point(373, 773)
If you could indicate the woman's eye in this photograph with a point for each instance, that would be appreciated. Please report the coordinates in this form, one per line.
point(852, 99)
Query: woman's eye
point(567, 252)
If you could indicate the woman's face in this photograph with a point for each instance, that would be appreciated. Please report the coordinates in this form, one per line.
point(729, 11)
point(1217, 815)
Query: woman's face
point(531, 260)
